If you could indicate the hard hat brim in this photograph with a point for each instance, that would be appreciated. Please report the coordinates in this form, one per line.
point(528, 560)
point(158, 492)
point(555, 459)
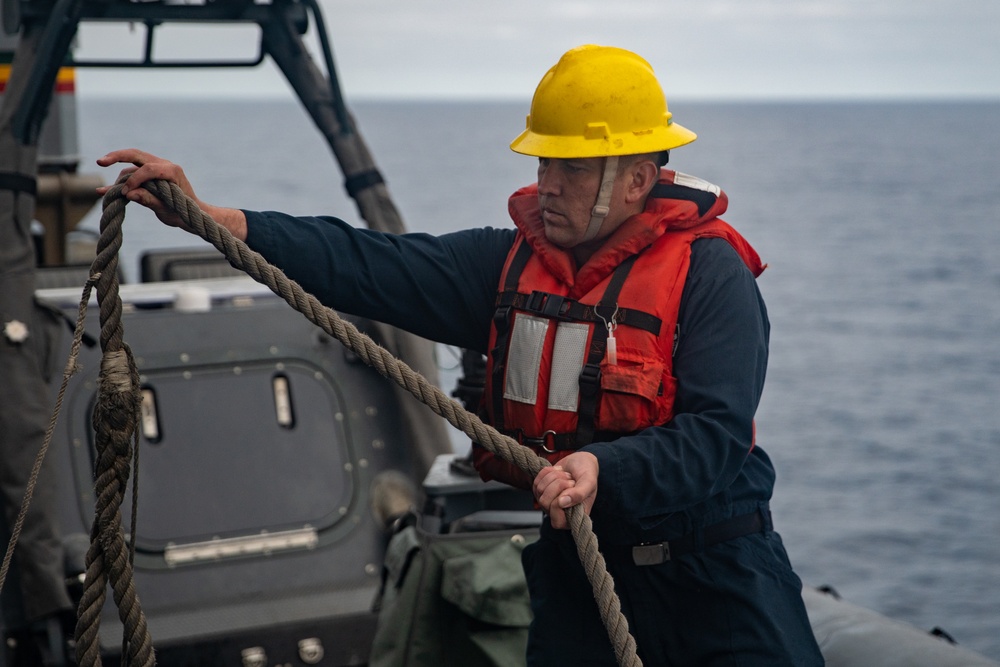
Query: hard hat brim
point(625, 143)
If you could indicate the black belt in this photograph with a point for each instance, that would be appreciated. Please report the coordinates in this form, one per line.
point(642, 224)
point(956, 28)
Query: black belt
point(730, 529)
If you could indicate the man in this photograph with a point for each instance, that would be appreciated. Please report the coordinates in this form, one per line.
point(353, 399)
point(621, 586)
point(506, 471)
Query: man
point(626, 341)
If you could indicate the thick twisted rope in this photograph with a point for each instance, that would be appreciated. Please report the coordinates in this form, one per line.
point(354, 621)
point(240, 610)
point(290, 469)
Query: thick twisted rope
point(115, 421)
point(242, 257)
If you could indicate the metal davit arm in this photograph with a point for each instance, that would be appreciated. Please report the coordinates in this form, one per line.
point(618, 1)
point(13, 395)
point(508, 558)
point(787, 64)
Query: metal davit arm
point(323, 99)
point(52, 49)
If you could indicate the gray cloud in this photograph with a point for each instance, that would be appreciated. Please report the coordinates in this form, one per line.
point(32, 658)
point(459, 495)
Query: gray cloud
point(700, 48)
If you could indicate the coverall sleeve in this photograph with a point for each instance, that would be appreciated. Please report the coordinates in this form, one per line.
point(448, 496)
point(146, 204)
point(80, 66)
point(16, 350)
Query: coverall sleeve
point(719, 364)
point(438, 287)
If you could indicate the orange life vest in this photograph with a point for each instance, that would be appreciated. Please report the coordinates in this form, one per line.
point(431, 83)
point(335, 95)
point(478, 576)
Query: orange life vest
point(578, 356)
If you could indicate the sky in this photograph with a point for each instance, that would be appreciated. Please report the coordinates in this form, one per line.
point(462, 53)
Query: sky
point(700, 49)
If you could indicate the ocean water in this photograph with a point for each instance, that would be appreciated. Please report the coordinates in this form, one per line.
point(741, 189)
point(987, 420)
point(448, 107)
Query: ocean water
point(880, 223)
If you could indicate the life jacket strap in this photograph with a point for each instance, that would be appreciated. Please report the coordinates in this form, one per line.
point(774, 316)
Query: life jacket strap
point(560, 308)
point(590, 376)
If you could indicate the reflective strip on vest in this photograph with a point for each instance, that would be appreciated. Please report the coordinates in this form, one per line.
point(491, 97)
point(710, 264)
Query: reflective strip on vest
point(524, 358)
point(688, 181)
point(567, 360)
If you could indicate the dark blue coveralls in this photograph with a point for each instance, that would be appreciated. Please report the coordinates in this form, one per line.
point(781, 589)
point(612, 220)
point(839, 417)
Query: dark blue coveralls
point(730, 602)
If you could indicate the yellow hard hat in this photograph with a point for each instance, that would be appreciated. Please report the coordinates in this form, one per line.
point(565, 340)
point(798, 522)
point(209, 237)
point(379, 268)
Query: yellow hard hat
point(599, 101)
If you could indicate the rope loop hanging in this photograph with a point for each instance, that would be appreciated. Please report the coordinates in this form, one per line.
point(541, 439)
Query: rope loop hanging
point(115, 422)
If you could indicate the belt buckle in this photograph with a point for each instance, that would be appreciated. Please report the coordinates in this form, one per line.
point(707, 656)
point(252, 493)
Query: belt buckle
point(651, 554)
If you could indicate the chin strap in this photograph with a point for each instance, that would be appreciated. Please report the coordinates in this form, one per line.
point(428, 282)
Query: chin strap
point(600, 210)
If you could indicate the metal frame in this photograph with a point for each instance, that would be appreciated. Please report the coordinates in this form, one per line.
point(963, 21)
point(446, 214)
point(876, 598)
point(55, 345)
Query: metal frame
point(61, 18)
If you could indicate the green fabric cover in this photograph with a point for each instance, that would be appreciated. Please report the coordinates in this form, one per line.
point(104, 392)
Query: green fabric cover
point(458, 599)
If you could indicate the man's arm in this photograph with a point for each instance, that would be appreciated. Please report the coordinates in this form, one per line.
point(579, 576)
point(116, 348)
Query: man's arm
point(439, 287)
point(720, 365)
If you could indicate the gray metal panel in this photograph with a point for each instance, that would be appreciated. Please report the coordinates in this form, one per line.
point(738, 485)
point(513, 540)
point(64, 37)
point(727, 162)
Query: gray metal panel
point(262, 461)
point(225, 467)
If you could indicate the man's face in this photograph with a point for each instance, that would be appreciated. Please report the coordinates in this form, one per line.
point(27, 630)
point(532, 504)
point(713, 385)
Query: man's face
point(567, 191)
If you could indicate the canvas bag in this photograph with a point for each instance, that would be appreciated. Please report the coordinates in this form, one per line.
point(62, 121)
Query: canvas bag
point(454, 599)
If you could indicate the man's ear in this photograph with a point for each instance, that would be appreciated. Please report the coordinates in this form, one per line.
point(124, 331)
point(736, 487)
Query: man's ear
point(643, 175)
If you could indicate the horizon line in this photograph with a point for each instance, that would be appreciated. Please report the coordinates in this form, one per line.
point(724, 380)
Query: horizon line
point(188, 96)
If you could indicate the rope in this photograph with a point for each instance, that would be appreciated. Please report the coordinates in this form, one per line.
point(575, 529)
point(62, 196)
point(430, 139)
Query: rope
point(115, 420)
point(112, 475)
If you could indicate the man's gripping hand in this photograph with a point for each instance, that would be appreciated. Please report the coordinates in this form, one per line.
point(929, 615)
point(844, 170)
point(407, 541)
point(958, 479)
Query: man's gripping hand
point(573, 481)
